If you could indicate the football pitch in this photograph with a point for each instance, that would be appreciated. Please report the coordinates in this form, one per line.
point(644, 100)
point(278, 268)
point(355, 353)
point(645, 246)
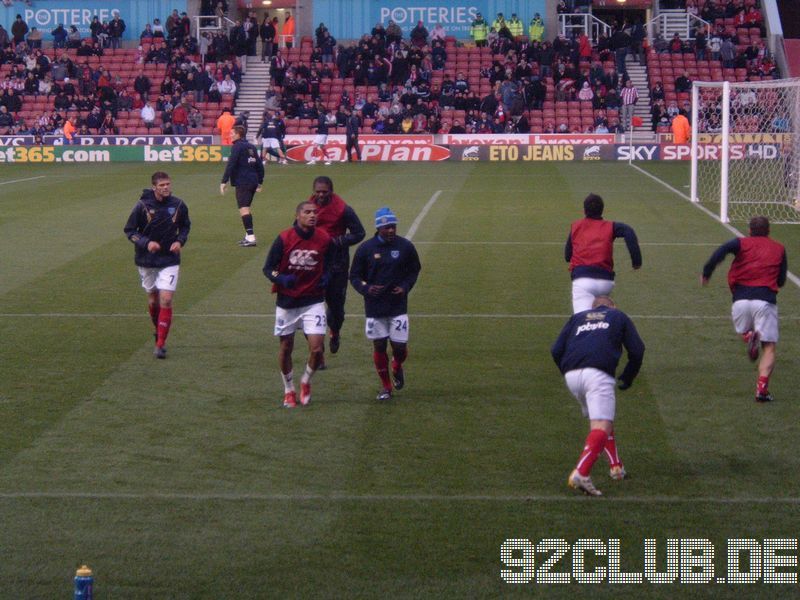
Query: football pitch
point(185, 478)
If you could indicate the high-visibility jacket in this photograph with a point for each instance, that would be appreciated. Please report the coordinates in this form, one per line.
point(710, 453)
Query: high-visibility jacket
point(69, 129)
point(225, 124)
point(516, 27)
point(479, 31)
point(287, 31)
point(536, 30)
point(681, 130)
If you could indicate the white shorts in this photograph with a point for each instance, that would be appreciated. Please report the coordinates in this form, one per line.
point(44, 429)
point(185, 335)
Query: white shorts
point(394, 328)
point(757, 315)
point(594, 390)
point(586, 289)
point(159, 279)
point(270, 143)
point(321, 140)
point(311, 319)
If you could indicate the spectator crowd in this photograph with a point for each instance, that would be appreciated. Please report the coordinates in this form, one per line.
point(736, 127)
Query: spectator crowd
point(393, 83)
point(84, 95)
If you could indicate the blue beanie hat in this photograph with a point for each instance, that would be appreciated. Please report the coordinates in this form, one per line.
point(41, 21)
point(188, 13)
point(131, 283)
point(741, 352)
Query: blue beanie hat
point(384, 217)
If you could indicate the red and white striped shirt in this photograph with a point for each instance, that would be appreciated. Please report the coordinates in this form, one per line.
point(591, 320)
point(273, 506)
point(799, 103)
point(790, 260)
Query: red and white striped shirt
point(629, 95)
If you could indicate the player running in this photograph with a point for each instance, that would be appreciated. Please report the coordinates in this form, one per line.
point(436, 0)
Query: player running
point(759, 268)
point(341, 222)
point(587, 352)
point(324, 122)
point(385, 269)
point(270, 134)
point(297, 265)
point(159, 226)
point(590, 253)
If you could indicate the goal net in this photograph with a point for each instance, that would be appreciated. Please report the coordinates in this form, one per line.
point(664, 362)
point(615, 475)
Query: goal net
point(746, 149)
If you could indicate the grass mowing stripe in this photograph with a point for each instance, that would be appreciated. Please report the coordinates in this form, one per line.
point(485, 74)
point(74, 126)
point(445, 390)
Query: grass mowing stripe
point(21, 180)
point(405, 498)
point(789, 275)
point(345, 497)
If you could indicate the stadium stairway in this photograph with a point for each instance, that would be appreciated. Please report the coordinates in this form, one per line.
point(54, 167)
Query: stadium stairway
point(638, 75)
point(252, 93)
point(674, 22)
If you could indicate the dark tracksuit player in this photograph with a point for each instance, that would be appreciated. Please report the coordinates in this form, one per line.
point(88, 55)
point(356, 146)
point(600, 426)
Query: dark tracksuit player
point(340, 222)
point(587, 352)
point(159, 226)
point(590, 253)
point(246, 173)
point(758, 270)
point(270, 134)
point(297, 265)
point(321, 139)
point(351, 136)
point(385, 269)
point(281, 131)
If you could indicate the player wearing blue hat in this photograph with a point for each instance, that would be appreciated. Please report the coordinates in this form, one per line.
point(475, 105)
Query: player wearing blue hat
point(384, 270)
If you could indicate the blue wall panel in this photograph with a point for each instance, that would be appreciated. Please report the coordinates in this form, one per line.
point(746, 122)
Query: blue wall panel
point(350, 19)
point(45, 15)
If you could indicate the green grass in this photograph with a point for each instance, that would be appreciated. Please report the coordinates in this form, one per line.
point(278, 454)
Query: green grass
point(185, 479)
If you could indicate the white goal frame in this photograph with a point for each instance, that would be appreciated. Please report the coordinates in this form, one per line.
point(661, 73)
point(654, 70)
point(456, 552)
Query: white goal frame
point(728, 90)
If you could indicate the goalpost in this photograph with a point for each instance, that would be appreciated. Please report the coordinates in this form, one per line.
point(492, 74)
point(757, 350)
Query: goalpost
point(746, 149)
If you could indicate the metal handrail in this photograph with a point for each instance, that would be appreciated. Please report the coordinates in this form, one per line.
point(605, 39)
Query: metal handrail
point(205, 23)
point(217, 23)
point(690, 23)
point(585, 22)
point(695, 18)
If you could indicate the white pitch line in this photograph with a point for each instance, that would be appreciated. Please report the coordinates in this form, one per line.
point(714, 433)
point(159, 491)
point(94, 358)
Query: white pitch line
point(415, 225)
point(464, 243)
point(341, 497)
point(789, 275)
point(416, 316)
point(21, 180)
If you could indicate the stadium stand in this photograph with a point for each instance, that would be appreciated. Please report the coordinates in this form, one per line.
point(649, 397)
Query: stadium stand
point(562, 66)
point(511, 85)
point(93, 87)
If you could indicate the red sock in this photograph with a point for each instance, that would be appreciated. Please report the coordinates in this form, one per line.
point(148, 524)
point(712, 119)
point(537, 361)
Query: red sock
point(594, 446)
point(153, 308)
point(611, 451)
point(763, 384)
point(381, 360)
point(398, 358)
point(164, 321)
